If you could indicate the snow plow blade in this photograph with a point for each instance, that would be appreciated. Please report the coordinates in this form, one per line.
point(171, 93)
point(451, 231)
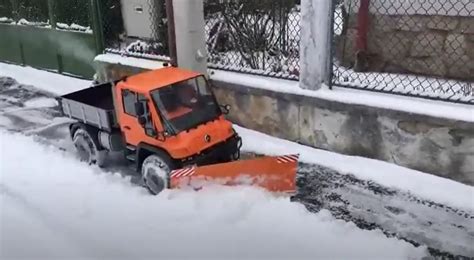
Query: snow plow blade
point(273, 173)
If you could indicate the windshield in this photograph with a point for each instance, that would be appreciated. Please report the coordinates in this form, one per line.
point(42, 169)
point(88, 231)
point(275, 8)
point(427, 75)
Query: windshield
point(186, 104)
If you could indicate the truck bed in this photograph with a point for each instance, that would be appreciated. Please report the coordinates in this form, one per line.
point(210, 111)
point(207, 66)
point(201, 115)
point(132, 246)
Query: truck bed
point(93, 106)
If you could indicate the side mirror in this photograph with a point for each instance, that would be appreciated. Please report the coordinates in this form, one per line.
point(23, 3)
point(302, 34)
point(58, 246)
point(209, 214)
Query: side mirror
point(226, 109)
point(142, 120)
point(139, 110)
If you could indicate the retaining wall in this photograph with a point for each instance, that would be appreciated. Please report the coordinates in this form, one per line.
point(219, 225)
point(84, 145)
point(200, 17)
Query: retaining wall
point(436, 145)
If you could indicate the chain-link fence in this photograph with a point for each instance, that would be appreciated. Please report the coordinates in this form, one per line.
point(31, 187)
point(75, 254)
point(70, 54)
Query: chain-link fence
point(260, 37)
point(74, 15)
point(419, 48)
point(135, 28)
point(24, 12)
point(6, 11)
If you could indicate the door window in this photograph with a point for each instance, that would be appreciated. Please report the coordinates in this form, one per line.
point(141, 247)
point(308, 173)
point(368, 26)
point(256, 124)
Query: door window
point(129, 99)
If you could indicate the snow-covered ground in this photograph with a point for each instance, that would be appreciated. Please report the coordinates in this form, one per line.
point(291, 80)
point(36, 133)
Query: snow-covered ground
point(422, 184)
point(396, 210)
point(47, 81)
point(67, 209)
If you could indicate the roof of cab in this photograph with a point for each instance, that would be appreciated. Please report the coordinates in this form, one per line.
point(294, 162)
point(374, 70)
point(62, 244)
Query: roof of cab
point(155, 79)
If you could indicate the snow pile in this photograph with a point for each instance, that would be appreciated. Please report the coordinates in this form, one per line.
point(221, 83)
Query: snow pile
point(5, 20)
point(416, 85)
point(62, 26)
point(23, 21)
point(419, 183)
point(40, 102)
point(141, 49)
point(67, 209)
point(74, 27)
point(129, 61)
point(51, 82)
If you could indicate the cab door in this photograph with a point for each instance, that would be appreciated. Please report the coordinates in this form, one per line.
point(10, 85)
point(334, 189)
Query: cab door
point(128, 118)
point(130, 126)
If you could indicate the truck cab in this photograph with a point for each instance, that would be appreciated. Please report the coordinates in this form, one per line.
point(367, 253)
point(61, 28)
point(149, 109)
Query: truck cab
point(174, 110)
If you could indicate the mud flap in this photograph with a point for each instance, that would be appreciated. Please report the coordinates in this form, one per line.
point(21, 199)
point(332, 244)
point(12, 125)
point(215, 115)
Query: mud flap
point(273, 173)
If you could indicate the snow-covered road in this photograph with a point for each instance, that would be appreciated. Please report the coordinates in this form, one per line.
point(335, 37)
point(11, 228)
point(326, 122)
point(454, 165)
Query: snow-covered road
point(60, 207)
point(417, 207)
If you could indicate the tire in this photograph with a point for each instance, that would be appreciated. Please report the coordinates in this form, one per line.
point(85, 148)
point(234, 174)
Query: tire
point(87, 149)
point(155, 172)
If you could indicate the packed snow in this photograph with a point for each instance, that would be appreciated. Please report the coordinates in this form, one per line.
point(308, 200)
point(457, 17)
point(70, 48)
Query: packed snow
point(68, 209)
point(40, 102)
point(421, 184)
point(47, 81)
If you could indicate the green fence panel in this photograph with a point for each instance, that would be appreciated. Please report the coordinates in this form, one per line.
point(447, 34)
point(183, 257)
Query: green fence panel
point(62, 51)
point(10, 44)
point(38, 47)
point(76, 52)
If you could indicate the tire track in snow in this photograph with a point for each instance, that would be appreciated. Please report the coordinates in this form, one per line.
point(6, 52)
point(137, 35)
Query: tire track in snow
point(447, 231)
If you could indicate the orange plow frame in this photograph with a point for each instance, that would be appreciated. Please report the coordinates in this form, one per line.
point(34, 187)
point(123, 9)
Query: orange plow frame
point(273, 173)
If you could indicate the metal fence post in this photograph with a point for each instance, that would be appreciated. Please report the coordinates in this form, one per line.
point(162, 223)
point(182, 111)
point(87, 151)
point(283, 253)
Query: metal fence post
point(315, 47)
point(190, 34)
point(14, 4)
point(51, 13)
point(171, 33)
point(97, 26)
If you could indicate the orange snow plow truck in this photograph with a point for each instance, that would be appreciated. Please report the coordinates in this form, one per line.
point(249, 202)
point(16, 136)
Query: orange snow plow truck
point(168, 123)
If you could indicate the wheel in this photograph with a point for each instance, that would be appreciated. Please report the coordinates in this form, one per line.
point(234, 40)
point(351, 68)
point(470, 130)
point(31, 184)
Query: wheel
point(87, 148)
point(155, 172)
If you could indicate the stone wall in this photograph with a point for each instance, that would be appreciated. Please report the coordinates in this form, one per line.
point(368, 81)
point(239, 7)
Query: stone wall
point(439, 146)
point(430, 45)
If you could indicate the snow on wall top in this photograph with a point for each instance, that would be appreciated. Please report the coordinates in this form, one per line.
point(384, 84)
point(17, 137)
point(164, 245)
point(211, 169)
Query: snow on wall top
point(129, 61)
point(419, 106)
point(416, 7)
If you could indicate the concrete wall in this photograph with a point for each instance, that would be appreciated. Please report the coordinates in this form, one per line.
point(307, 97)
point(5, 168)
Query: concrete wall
point(439, 146)
point(414, 40)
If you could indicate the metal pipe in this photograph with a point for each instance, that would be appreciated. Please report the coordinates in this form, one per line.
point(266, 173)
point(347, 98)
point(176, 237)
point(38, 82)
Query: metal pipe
point(171, 33)
point(51, 13)
point(362, 25)
point(97, 26)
